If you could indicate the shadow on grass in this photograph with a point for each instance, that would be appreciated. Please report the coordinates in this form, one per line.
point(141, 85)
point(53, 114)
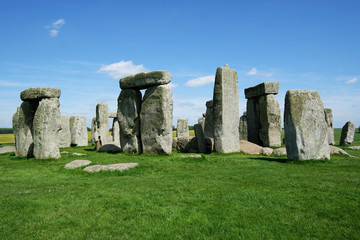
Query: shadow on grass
point(269, 159)
point(90, 150)
point(285, 160)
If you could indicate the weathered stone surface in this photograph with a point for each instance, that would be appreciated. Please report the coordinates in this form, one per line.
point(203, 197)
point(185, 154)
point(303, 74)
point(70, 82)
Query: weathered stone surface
point(145, 80)
point(329, 122)
point(280, 151)
point(355, 147)
point(46, 129)
point(270, 121)
point(243, 134)
point(182, 129)
point(77, 163)
point(209, 120)
point(64, 133)
point(78, 130)
point(264, 88)
point(336, 150)
point(156, 120)
point(110, 167)
point(266, 151)
point(38, 93)
point(305, 126)
point(180, 144)
point(199, 134)
point(226, 110)
point(23, 129)
point(112, 115)
point(116, 132)
point(102, 122)
point(201, 121)
point(129, 105)
point(253, 120)
point(249, 147)
point(109, 148)
point(94, 133)
point(347, 134)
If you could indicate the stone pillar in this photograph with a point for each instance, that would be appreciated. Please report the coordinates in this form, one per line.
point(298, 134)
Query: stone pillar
point(347, 134)
point(102, 122)
point(64, 133)
point(329, 122)
point(243, 134)
point(226, 110)
point(78, 129)
point(200, 138)
point(209, 120)
point(305, 126)
point(94, 133)
point(116, 132)
point(182, 129)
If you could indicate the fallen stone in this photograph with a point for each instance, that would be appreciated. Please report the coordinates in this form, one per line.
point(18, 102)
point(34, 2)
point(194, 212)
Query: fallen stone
point(109, 148)
point(145, 80)
point(179, 144)
point(347, 134)
point(77, 163)
point(280, 151)
point(355, 147)
point(262, 89)
point(39, 93)
point(182, 129)
point(249, 147)
point(191, 156)
point(266, 151)
point(110, 167)
point(336, 150)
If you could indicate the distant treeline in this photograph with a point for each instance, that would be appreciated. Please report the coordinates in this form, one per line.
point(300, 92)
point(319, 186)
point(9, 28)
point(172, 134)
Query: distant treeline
point(6, 130)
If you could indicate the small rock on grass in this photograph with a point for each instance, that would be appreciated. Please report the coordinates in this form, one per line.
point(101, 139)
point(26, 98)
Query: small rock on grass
point(191, 156)
point(79, 154)
point(355, 147)
point(110, 167)
point(77, 163)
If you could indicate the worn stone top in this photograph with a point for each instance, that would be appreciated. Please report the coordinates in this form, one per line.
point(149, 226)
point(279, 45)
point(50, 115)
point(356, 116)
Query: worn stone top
point(264, 88)
point(145, 80)
point(209, 104)
point(112, 114)
point(38, 93)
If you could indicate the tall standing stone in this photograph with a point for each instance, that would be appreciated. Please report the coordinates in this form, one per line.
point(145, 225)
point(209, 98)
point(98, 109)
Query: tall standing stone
point(270, 121)
point(46, 129)
point(209, 120)
point(102, 122)
point(347, 134)
point(226, 110)
point(129, 105)
point(78, 129)
point(200, 138)
point(116, 132)
point(94, 133)
point(156, 120)
point(201, 121)
point(182, 129)
point(253, 120)
point(64, 133)
point(305, 126)
point(329, 122)
point(243, 134)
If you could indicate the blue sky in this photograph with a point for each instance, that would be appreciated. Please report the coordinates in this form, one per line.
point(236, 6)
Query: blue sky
point(84, 47)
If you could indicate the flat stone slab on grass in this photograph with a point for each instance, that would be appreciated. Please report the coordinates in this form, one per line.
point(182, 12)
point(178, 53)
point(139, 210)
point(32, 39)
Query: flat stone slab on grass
point(110, 167)
point(191, 156)
point(38, 93)
point(280, 151)
point(7, 149)
point(79, 154)
point(77, 164)
point(355, 147)
point(145, 80)
point(247, 147)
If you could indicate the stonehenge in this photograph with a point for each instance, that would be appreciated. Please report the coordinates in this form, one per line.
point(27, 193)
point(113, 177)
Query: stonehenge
point(347, 134)
point(78, 130)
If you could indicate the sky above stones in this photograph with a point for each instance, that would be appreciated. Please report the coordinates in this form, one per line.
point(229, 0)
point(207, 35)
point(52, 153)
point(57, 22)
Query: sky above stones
point(85, 47)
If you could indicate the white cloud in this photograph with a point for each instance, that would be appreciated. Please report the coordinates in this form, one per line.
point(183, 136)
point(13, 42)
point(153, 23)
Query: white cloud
point(353, 80)
point(121, 69)
point(53, 33)
point(58, 23)
point(173, 85)
point(196, 82)
point(254, 72)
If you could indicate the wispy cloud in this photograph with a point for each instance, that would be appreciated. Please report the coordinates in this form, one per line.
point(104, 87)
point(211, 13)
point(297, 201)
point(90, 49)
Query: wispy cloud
point(173, 85)
point(121, 69)
point(58, 23)
point(196, 82)
point(351, 81)
point(255, 72)
point(10, 84)
point(55, 26)
point(53, 33)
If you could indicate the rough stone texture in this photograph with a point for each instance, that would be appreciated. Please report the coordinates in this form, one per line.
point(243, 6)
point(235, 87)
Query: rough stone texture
point(94, 133)
point(64, 133)
point(266, 151)
point(226, 110)
point(336, 150)
point(116, 132)
point(270, 121)
point(77, 163)
point(264, 88)
point(112, 115)
point(201, 121)
point(110, 167)
point(156, 120)
point(280, 151)
point(46, 129)
point(182, 129)
point(243, 134)
point(78, 130)
point(145, 80)
point(210, 144)
point(253, 120)
point(329, 122)
point(199, 134)
point(249, 147)
point(102, 122)
point(39, 93)
point(179, 144)
point(129, 105)
point(23, 129)
point(305, 126)
point(110, 148)
point(209, 120)
point(347, 134)
point(354, 147)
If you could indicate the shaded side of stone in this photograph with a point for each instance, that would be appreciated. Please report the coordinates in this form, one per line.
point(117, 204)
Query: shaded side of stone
point(39, 93)
point(94, 133)
point(347, 134)
point(78, 130)
point(116, 132)
point(243, 128)
point(199, 134)
point(262, 89)
point(145, 80)
point(253, 120)
point(209, 120)
point(64, 133)
point(329, 122)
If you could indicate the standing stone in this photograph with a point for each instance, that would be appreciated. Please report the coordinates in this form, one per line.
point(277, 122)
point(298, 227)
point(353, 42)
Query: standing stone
point(347, 134)
point(182, 129)
point(201, 121)
point(64, 133)
point(270, 121)
point(199, 134)
point(23, 128)
point(156, 120)
point(94, 133)
point(46, 129)
point(209, 120)
point(243, 134)
point(226, 110)
point(78, 129)
point(305, 126)
point(102, 122)
point(253, 120)
point(329, 122)
point(116, 132)
point(129, 105)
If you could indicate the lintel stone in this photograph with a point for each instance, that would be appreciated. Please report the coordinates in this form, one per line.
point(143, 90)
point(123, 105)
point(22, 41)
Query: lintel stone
point(38, 93)
point(145, 80)
point(264, 88)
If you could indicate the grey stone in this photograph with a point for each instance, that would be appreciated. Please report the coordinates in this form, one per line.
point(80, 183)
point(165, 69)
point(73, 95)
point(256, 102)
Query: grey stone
point(336, 150)
point(201, 121)
point(23, 129)
point(109, 148)
point(7, 149)
point(116, 132)
point(78, 130)
point(209, 120)
point(102, 122)
point(192, 146)
point(253, 120)
point(354, 147)
point(270, 121)
point(347, 134)
point(329, 122)
point(243, 129)
point(280, 151)
point(210, 144)
point(46, 129)
point(77, 163)
point(112, 115)
point(156, 120)
point(145, 80)
point(39, 93)
point(180, 144)
point(94, 133)
point(129, 105)
point(111, 167)
point(264, 88)
point(266, 151)
point(182, 129)
point(305, 126)
point(64, 133)
point(199, 134)
point(226, 110)
point(249, 147)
